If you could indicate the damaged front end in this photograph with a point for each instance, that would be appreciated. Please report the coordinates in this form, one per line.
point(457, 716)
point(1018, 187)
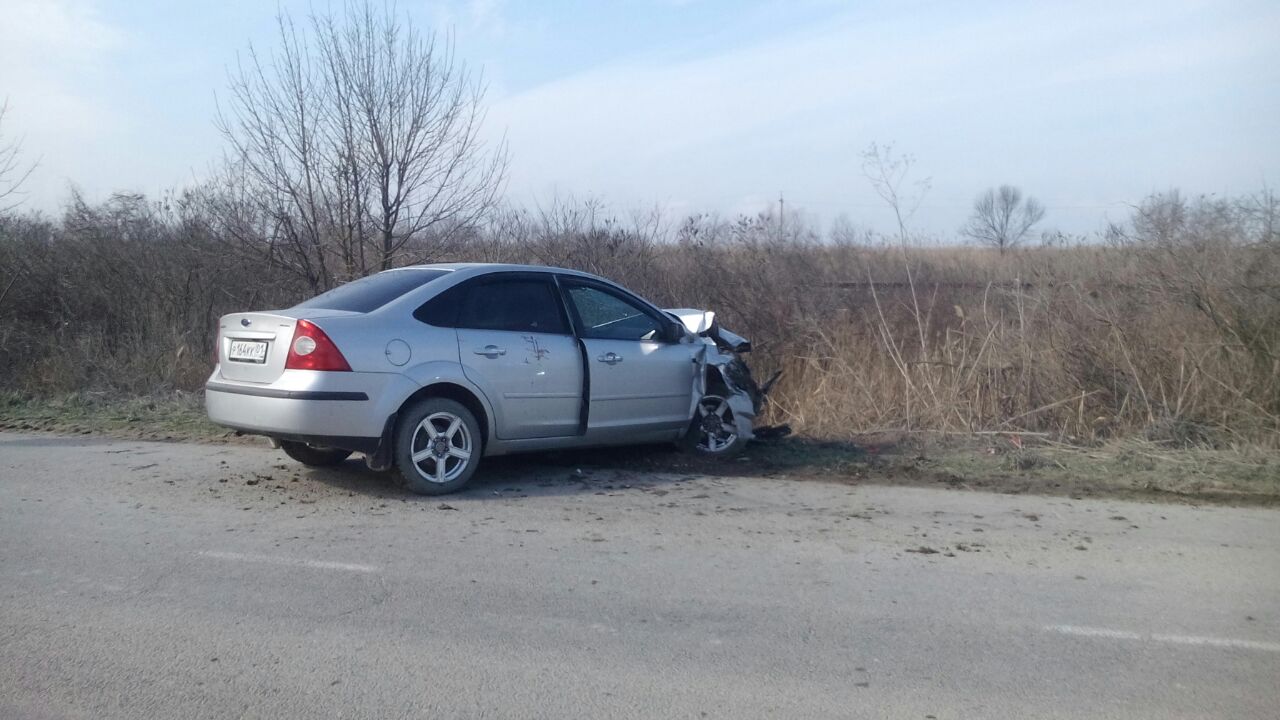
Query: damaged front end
point(727, 400)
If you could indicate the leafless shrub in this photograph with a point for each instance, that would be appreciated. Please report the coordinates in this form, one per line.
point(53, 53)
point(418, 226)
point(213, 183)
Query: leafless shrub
point(124, 295)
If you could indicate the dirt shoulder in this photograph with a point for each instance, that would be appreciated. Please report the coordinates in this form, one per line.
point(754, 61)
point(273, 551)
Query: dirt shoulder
point(1010, 464)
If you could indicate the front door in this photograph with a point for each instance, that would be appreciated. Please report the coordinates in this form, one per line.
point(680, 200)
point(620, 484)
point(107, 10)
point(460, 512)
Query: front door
point(639, 381)
point(515, 344)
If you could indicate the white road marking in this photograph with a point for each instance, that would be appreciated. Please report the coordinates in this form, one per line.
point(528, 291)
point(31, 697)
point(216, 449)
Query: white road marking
point(295, 562)
point(1159, 637)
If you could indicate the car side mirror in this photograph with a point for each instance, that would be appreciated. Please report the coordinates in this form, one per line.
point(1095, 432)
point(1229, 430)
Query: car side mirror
point(674, 333)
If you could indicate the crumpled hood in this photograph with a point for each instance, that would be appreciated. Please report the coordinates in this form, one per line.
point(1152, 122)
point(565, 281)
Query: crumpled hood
point(703, 324)
point(695, 321)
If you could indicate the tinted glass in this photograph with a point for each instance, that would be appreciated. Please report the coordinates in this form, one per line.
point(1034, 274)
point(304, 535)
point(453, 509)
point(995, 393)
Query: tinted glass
point(606, 316)
point(442, 310)
point(370, 293)
point(514, 305)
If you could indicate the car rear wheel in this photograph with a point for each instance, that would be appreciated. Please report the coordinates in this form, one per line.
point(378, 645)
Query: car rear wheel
point(437, 446)
point(714, 430)
point(314, 455)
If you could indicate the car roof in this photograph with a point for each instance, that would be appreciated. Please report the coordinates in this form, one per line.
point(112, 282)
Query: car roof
point(462, 272)
point(472, 269)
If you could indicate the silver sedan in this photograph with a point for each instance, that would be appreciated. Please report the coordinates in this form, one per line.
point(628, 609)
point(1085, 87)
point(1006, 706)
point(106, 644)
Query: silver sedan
point(428, 368)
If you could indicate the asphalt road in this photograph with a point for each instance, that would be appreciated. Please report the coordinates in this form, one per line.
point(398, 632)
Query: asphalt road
point(188, 581)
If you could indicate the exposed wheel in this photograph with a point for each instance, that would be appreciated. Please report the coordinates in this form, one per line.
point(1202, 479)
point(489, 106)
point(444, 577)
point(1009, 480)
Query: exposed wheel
point(314, 455)
point(714, 430)
point(437, 446)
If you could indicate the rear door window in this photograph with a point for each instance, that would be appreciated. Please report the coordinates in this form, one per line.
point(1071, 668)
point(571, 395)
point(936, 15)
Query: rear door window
point(442, 310)
point(515, 305)
point(370, 293)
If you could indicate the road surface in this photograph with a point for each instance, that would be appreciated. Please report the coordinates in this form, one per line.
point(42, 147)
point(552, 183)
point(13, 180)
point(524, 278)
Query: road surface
point(199, 581)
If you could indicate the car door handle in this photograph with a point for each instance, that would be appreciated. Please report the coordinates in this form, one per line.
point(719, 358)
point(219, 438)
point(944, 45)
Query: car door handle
point(610, 358)
point(491, 351)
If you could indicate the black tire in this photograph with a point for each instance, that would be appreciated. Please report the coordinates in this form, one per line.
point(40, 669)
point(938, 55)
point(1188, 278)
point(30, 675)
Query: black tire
point(718, 438)
point(443, 470)
point(312, 455)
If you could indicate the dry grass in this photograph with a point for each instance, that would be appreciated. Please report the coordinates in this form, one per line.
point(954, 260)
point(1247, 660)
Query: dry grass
point(1059, 358)
point(1085, 354)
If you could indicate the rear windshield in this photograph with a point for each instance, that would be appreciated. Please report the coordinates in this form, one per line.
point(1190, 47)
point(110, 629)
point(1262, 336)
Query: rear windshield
point(370, 293)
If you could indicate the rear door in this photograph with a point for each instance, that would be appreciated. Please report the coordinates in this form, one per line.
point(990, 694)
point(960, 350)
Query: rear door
point(638, 380)
point(515, 342)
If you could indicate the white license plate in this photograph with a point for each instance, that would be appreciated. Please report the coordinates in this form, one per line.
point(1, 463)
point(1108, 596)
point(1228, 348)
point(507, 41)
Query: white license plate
point(254, 351)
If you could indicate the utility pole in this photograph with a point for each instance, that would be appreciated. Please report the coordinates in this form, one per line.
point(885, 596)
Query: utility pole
point(782, 210)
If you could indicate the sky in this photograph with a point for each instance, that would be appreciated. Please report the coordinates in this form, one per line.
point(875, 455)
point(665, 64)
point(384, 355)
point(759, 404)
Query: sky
point(715, 106)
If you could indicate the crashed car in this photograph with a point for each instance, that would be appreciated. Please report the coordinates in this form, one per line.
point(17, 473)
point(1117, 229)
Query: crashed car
point(429, 368)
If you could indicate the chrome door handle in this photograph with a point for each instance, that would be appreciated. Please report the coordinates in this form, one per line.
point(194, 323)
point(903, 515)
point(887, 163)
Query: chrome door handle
point(610, 358)
point(491, 351)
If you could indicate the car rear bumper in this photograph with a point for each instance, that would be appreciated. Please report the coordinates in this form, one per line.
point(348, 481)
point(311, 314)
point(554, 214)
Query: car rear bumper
point(266, 392)
point(304, 404)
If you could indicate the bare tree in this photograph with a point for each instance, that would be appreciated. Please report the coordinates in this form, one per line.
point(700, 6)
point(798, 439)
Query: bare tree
point(1002, 218)
point(13, 172)
point(357, 143)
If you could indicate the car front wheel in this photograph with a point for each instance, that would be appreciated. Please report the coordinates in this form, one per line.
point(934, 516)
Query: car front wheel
point(437, 446)
point(714, 430)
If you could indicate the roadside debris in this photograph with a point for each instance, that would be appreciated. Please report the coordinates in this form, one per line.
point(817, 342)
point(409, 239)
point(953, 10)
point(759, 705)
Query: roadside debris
point(923, 550)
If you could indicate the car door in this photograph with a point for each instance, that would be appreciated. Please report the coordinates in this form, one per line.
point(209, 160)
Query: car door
point(639, 380)
point(515, 343)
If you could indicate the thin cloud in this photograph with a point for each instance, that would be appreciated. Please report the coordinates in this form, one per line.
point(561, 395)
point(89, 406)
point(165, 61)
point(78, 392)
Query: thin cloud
point(793, 112)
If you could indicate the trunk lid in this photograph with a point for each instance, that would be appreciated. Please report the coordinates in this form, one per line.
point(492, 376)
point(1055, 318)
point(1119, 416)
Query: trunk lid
point(243, 337)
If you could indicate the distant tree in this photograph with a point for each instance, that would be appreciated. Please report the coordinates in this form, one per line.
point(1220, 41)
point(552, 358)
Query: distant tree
point(13, 172)
point(1002, 218)
point(356, 142)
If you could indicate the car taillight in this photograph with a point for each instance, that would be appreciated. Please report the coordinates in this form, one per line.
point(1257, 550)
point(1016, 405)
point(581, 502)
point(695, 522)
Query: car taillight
point(311, 349)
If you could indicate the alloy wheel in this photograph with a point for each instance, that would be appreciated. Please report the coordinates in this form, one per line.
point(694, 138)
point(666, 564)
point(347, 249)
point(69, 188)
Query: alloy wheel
point(717, 430)
point(441, 448)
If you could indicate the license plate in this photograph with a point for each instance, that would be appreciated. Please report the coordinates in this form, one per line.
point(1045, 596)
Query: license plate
point(253, 351)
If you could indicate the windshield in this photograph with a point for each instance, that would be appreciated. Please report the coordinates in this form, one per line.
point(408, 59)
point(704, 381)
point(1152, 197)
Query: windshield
point(370, 293)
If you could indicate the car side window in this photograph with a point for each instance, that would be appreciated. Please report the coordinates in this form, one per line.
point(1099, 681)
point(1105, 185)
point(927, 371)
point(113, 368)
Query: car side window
point(442, 310)
point(517, 305)
point(606, 316)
